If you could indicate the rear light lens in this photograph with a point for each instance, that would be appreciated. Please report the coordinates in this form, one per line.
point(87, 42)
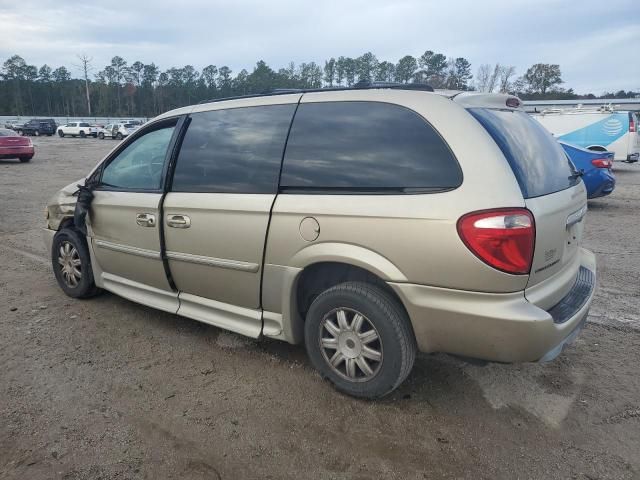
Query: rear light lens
point(513, 102)
point(602, 163)
point(632, 125)
point(503, 238)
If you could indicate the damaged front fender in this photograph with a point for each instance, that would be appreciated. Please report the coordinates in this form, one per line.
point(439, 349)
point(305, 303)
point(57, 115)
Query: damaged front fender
point(62, 205)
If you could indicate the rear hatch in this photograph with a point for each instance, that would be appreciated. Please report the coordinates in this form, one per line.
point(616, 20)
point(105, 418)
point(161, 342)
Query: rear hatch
point(552, 191)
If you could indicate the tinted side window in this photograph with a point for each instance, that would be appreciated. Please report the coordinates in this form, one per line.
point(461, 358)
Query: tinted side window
point(140, 164)
point(235, 151)
point(366, 146)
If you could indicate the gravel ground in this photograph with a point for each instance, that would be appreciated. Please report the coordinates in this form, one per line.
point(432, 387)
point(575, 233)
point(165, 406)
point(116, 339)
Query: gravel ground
point(110, 389)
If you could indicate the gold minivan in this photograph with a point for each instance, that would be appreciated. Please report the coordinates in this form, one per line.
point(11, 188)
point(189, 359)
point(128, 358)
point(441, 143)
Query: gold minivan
point(367, 223)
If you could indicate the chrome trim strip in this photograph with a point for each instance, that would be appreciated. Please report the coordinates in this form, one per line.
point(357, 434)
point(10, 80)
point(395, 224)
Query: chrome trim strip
point(214, 262)
point(116, 247)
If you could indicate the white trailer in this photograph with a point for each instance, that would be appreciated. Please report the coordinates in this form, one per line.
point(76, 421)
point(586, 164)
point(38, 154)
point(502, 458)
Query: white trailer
point(598, 129)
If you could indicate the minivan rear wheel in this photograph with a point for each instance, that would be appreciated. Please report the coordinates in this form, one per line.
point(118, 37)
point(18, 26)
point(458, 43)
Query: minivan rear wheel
point(360, 338)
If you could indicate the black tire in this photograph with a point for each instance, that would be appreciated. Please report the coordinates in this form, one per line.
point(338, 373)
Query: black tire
point(82, 135)
point(60, 133)
point(101, 135)
point(85, 286)
point(25, 159)
point(396, 340)
point(119, 136)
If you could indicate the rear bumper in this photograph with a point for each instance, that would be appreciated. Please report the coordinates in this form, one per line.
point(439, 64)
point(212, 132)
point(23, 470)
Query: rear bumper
point(599, 183)
point(14, 152)
point(496, 327)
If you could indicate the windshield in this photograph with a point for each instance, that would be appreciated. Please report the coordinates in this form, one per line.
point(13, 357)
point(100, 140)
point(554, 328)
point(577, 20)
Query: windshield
point(7, 133)
point(536, 158)
point(129, 125)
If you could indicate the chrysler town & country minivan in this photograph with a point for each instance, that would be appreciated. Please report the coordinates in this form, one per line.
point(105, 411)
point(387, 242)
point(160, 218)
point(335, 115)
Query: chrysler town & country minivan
point(365, 223)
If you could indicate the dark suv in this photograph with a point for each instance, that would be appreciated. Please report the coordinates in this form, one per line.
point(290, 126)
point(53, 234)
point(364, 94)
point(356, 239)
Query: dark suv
point(38, 126)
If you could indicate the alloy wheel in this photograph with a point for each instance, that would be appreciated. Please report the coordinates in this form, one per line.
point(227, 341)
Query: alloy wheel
point(350, 344)
point(70, 263)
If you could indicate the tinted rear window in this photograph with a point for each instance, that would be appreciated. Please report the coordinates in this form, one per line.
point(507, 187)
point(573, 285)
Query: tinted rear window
point(364, 146)
point(235, 151)
point(536, 158)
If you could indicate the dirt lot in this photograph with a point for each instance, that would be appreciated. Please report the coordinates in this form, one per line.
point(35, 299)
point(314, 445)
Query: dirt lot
point(109, 389)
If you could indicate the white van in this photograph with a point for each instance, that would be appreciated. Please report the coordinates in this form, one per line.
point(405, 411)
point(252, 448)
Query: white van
point(598, 129)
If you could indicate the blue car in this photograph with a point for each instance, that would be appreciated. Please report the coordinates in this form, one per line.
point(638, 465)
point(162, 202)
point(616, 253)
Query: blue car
point(596, 167)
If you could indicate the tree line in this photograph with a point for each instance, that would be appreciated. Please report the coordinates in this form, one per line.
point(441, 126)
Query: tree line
point(144, 90)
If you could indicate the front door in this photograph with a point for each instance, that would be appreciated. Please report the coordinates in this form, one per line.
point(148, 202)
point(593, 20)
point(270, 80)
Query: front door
point(124, 218)
point(217, 212)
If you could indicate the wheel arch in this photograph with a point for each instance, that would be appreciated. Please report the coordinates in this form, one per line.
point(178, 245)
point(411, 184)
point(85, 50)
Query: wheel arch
point(597, 148)
point(325, 271)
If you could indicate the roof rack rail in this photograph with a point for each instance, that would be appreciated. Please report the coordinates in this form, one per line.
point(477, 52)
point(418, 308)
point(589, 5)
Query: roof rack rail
point(362, 85)
point(396, 85)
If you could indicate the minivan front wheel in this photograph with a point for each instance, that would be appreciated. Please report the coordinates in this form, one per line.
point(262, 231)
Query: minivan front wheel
point(72, 264)
point(359, 338)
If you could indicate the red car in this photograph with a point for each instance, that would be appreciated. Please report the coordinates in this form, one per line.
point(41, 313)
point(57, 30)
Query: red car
point(13, 145)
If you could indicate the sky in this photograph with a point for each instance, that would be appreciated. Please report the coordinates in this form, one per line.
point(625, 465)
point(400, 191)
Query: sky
point(596, 43)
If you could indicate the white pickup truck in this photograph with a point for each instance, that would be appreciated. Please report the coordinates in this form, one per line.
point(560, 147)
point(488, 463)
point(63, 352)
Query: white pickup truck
point(77, 129)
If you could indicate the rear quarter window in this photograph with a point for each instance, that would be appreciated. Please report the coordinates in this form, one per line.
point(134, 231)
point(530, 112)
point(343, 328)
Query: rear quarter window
point(539, 163)
point(366, 146)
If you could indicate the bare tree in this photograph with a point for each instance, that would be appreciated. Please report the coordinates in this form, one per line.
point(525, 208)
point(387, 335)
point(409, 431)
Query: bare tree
point(482, 77)
point(85, 66)
point(505, 75)
point(489, 79)
point(493, 78)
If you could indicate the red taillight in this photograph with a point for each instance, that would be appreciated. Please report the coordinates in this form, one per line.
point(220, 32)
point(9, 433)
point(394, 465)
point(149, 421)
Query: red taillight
point(502, 238)
point(602, 163)
point(632, 125)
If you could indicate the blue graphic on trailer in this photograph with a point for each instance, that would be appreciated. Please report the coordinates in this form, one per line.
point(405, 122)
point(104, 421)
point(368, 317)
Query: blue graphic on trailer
point(602, 132)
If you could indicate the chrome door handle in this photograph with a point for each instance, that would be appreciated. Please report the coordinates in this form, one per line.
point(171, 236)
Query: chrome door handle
point(178, 221)
point(146, 219)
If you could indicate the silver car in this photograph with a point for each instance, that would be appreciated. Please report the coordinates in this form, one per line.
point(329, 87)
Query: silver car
point(367, 224)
